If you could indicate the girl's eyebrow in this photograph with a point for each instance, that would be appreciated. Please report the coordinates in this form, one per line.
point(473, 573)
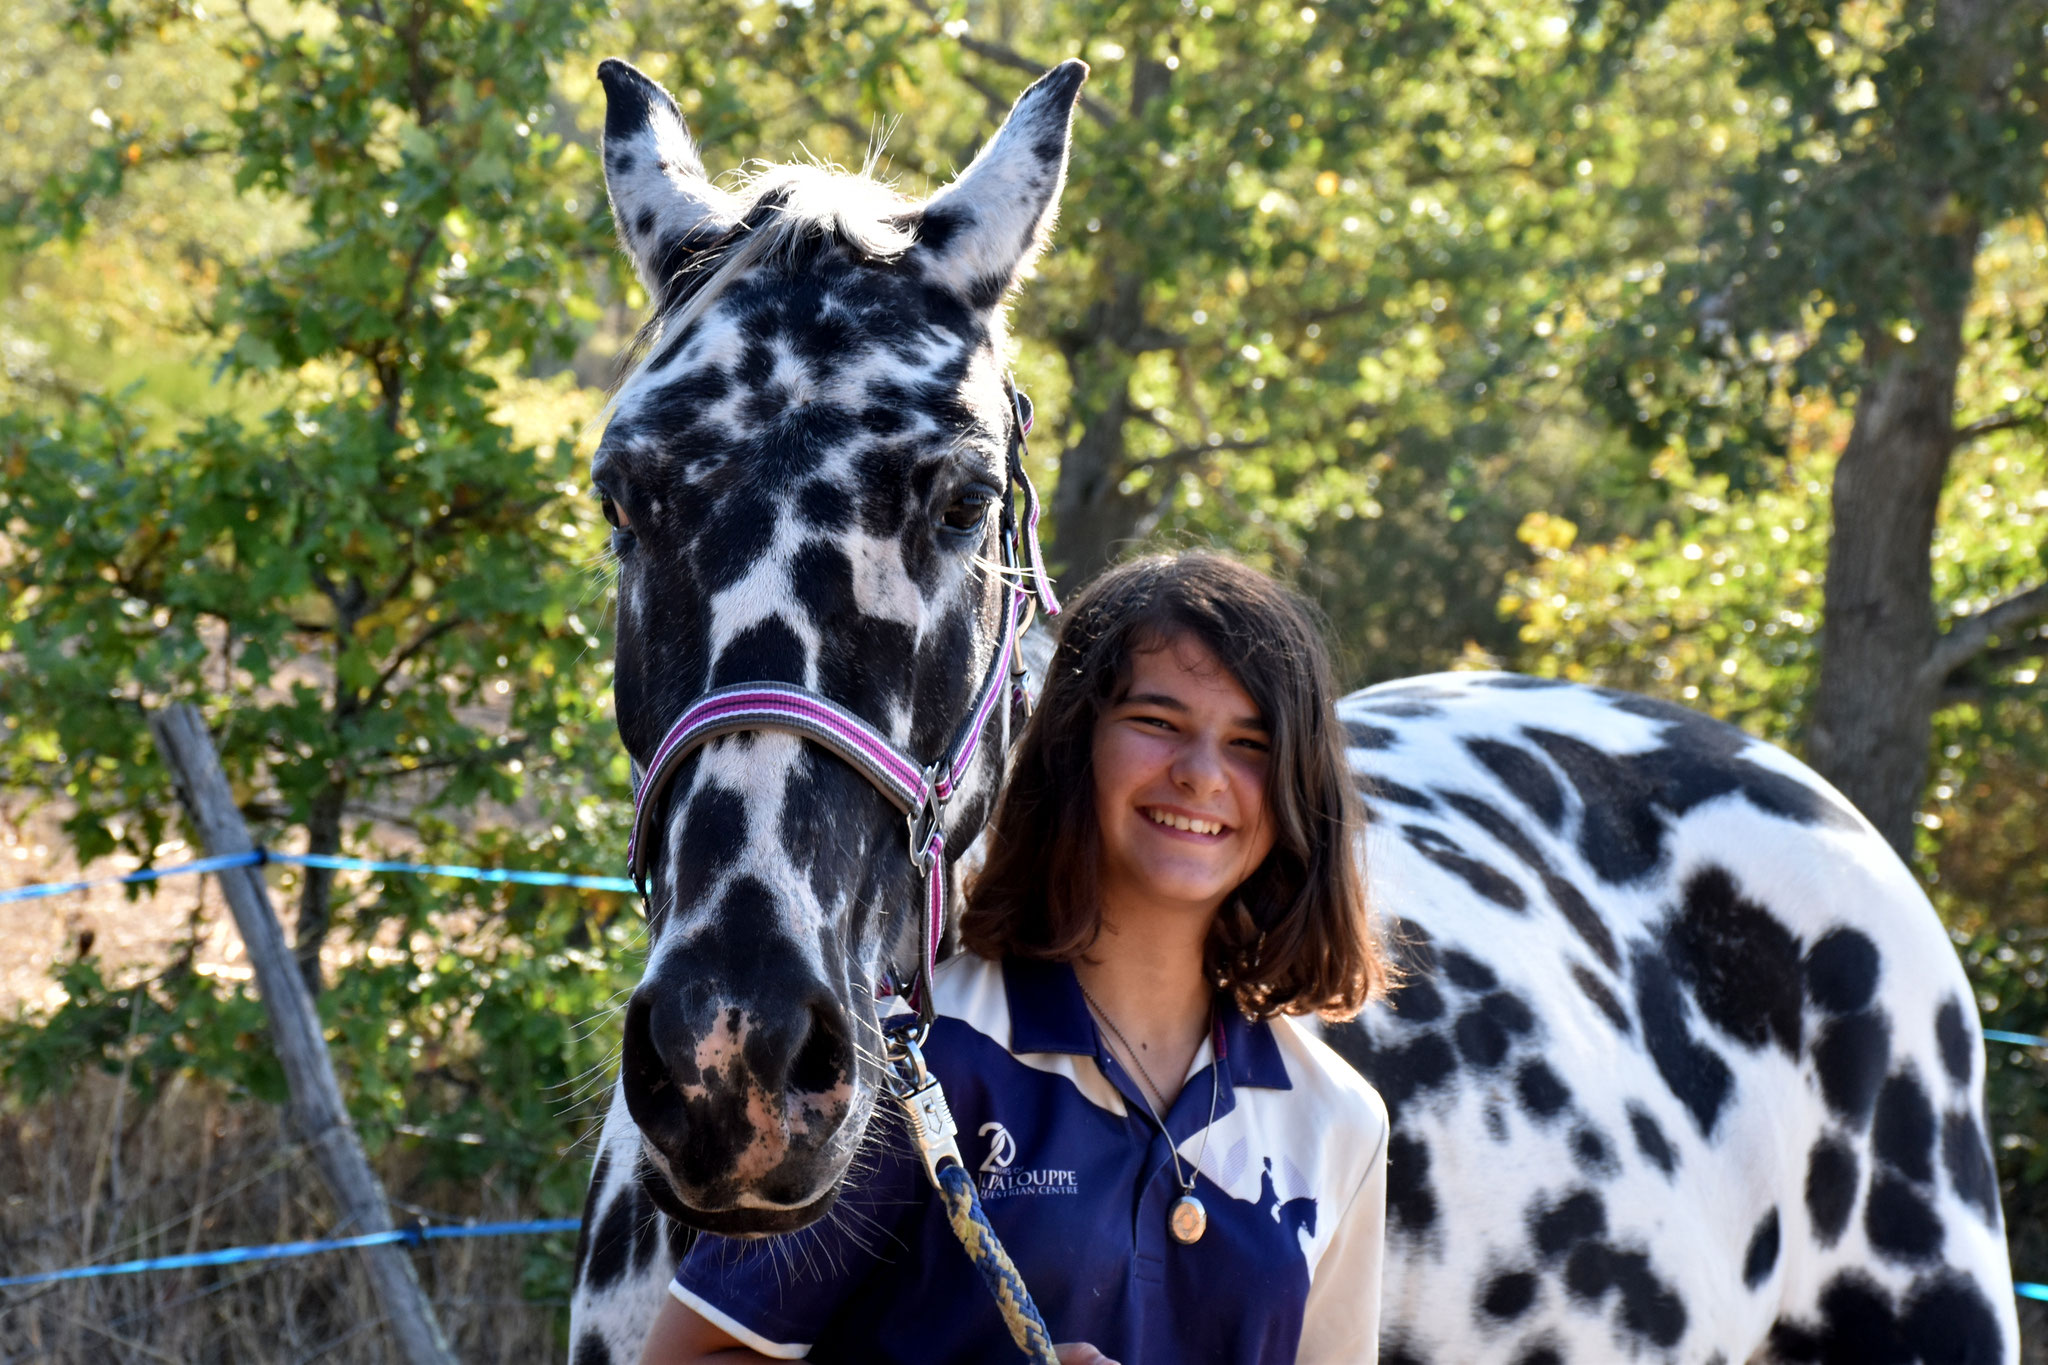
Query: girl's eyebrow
point(1164, 702)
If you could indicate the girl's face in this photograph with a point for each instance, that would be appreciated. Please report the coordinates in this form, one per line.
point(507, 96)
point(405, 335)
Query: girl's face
point(1180, 784)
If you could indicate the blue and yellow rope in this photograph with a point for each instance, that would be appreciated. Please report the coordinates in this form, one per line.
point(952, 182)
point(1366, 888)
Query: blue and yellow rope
point(1013, 1300)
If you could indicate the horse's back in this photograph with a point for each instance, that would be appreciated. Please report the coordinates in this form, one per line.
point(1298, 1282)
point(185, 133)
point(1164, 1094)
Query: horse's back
point(1686, 1067)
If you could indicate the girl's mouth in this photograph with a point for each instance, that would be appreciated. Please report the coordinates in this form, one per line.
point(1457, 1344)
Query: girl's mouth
point(1189, 824)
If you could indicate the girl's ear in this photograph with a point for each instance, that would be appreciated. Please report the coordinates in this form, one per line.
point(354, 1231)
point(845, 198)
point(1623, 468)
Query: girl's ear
point(977, 235)
point(665, 207)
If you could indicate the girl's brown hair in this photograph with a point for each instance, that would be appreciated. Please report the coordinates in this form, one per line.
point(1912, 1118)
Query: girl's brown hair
point(1296, 936)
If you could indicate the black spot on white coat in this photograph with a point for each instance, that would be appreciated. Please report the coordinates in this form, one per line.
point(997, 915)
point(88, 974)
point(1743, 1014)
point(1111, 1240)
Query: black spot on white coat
point(1902, 1131)
point(1762, 1256)
point(1958, 1048)
point(1831, 1175)
point(1695, 1073)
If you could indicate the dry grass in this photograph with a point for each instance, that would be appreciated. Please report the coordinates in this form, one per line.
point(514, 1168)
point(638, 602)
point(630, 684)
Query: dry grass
point(98, 1176)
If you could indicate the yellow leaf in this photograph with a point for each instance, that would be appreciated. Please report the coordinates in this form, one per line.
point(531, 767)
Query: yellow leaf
point(1541, 531)
point(1326, 184)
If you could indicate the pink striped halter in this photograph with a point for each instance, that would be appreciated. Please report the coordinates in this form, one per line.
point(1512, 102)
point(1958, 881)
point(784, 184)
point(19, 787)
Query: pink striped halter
point(919, 790)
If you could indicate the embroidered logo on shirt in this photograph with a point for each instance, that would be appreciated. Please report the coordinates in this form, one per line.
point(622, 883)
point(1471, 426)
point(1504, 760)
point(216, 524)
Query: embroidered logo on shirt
point(998, 1181)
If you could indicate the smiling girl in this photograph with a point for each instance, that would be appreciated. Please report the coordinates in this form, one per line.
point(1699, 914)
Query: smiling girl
point(1178, 1169)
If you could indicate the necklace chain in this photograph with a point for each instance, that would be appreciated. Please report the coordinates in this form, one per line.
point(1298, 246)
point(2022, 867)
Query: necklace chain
point(1186, 1183)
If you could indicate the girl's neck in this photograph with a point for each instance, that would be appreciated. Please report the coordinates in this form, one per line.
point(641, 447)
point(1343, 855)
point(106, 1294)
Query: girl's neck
point(1147, 977)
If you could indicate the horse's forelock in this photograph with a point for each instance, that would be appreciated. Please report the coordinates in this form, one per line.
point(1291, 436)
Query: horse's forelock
point(791, 213)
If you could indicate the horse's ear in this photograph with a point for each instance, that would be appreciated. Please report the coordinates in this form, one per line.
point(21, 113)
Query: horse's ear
point(665, 206)
point(979, 233)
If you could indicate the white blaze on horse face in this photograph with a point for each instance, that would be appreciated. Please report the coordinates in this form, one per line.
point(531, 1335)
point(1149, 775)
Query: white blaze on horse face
point(881, 585)
point(765, 592)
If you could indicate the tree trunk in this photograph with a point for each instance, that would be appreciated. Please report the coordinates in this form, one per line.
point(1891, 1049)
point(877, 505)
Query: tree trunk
point(323, 835)
point(1873, 720)
point(1093, 518)
point(1873, 715)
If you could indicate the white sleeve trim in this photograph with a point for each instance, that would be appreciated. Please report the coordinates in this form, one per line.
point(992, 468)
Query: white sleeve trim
point(1341, 1319)
point(733, 1327)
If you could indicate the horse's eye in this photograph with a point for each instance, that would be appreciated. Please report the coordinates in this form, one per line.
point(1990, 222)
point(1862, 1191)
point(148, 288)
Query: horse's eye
point(618, 519)
point(969, 509)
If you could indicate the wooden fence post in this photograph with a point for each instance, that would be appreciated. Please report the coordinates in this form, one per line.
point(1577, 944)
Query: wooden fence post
point(316, 1107)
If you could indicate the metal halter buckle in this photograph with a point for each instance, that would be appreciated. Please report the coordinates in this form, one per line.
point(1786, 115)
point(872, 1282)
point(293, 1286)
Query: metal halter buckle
point(927, 820)
point(924, 1103)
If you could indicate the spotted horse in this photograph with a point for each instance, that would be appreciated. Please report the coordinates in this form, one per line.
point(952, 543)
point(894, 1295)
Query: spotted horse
point(1684, 1068)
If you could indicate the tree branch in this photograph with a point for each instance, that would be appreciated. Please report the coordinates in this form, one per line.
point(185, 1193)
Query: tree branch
point(403, 657)
point(1017, 61)
point(997, 105)
point(479, 758)
point(1189, 454)
point(1966, 639)
point(2009, 420)
point(1148, 338)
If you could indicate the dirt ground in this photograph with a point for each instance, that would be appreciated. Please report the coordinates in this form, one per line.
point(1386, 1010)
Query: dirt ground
point(36, 935)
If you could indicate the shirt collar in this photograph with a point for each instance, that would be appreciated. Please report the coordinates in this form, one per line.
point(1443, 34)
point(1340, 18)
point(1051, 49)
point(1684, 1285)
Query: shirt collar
point(1048, 1013)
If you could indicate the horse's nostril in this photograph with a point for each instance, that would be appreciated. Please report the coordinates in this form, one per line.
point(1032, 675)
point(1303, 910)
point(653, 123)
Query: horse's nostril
point(825, 1057)
point(650, 1088)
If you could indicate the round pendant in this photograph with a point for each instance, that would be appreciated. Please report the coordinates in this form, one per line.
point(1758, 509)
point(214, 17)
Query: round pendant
point(1187, 1220)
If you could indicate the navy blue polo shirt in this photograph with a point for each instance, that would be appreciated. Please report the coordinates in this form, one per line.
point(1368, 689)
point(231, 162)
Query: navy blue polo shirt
point(1077, 1182)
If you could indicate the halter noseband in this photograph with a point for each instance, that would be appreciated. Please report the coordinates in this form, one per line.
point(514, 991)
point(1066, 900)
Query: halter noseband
point(919, 790)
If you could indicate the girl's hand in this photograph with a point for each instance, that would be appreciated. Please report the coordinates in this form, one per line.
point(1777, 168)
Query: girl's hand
point(1081, 1353)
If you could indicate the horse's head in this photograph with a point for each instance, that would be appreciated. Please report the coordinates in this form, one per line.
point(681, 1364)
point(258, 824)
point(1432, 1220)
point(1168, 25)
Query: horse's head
point(805, 471)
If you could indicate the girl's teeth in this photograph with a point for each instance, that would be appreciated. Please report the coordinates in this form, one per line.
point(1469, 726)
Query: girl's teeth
point(1183, 822)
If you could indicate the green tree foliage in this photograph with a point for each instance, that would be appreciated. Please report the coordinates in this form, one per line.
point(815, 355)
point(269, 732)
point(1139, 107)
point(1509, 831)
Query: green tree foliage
point(372, 580)
point(1319, 270)
point(1841, 260)
point(361, 548)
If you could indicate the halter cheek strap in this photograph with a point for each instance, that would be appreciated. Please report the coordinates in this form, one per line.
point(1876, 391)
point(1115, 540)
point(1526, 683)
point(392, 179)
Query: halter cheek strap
point(919, 790)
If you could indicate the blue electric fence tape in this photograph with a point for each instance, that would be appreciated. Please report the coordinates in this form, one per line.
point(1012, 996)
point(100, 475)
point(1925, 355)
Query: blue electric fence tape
point(1999, 1035)
point(147, 874)
point(259, 856)
point(416, 1236)
point(474, 874)
point(279, 1251)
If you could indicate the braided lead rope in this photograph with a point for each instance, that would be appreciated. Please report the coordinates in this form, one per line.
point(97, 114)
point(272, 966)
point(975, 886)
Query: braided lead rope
point(936, 1136)
point(998, 1272)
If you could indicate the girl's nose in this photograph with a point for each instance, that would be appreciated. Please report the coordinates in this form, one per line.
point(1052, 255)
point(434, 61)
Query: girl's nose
point(1198, 768)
